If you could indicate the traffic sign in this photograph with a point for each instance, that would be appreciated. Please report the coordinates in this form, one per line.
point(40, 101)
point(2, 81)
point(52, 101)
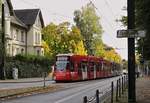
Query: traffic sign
point(130, 33)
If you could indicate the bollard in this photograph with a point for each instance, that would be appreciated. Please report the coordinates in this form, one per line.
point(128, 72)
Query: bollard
point(124, 82)
point(119, 87)
point(97, 96)
point(44, 76)
point(112, 92)
point(117, 92)
point(122, 85)
point(85, 99)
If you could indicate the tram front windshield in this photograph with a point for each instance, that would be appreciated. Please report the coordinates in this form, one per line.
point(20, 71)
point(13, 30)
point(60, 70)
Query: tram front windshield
point(61, 65)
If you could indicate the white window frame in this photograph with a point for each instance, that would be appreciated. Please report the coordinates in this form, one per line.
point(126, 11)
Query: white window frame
point(22, 36)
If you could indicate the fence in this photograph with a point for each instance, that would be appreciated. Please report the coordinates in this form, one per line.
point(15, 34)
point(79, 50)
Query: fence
point(108, 94)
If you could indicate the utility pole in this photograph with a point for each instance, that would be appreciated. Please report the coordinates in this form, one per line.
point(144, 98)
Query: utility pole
point(131, 34)
point(131, 53)
point(2, 40)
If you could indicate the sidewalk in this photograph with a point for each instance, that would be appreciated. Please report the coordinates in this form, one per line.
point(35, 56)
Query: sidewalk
point(143, 90)
point(25, 80)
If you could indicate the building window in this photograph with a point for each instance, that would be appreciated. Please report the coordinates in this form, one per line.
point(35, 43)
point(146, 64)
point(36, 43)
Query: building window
point(36, 37)
point(8, 49)
point(13, 50)
point(38, 52)
point(22, 36)
point(17, 50)
point(42, 52)
point(12, 32)
point(39, 38)
point(22, 51)
point(17, 35)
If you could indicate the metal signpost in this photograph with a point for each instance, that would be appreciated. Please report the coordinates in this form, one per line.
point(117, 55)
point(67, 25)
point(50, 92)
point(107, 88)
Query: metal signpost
point(131, 34)
point(2, 42)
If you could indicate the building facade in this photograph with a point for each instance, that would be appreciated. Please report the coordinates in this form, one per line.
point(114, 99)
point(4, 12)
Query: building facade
point(23, 31)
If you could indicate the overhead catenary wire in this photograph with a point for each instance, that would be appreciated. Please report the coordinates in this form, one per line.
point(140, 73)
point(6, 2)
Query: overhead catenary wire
point(109, 25)
point(52, 13)
point(101, 14)
point(110, 9)
point(45, 9)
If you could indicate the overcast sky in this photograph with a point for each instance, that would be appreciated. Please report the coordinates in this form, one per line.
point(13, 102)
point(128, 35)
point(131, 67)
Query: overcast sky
point(58, 11)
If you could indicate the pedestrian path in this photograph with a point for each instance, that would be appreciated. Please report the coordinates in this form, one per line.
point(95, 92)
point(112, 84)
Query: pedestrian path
point(25, 80)
point(24, 83)
point(143, 90)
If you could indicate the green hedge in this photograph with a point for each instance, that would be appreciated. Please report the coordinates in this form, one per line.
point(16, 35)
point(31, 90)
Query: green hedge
point(28, 65)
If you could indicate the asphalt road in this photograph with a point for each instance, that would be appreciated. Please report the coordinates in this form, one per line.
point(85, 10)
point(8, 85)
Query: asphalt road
point(74, 94)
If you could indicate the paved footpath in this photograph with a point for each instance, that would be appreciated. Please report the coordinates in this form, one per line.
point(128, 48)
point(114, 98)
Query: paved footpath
point(25, 80)
point(24, 83)
point(143, 90)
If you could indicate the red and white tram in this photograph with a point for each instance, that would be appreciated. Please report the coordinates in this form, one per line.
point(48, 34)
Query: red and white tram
point(70, 67)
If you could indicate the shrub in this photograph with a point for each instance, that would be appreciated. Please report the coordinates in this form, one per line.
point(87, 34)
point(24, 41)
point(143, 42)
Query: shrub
point(28, 65)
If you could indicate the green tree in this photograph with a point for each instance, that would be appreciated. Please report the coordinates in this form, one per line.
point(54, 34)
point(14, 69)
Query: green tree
point(51, 38)
point(98, 47)
point(88, 23)
point(112, 55)
point(47, 50)
point(0, 6)
point(142, 22)
point(79, 48)
point(62, 38)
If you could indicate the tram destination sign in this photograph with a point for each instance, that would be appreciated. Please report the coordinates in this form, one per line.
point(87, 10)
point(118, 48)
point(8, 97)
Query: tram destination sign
point(130, 33)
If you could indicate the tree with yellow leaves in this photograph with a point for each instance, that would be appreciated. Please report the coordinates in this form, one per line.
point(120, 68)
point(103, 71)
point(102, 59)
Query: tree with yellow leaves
point(80, 49)
point(112, 55)
point(62, 39)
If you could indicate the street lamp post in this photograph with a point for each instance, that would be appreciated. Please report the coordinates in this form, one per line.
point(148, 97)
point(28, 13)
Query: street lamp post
point(2, 41)
point(131, 53)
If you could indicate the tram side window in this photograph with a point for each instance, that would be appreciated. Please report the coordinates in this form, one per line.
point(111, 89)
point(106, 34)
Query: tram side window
point(71, 66)
point(79, 68)
point(110, 68)
point(91, 66)
point(97, 67)
point(84, 66)
point(100, 66)
point(104, 67)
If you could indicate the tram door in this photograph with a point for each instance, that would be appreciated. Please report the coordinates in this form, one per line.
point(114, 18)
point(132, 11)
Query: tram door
point(94, 71)
point(102, 69)
point(84, 70)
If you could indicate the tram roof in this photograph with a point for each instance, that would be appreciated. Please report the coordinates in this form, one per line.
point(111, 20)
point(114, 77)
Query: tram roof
point(81, 56)
point(69, 54)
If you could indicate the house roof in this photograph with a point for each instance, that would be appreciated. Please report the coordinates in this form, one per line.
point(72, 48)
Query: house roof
point(16, 21)
point(28, 16)
point(10, 7)
point(13, 17)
